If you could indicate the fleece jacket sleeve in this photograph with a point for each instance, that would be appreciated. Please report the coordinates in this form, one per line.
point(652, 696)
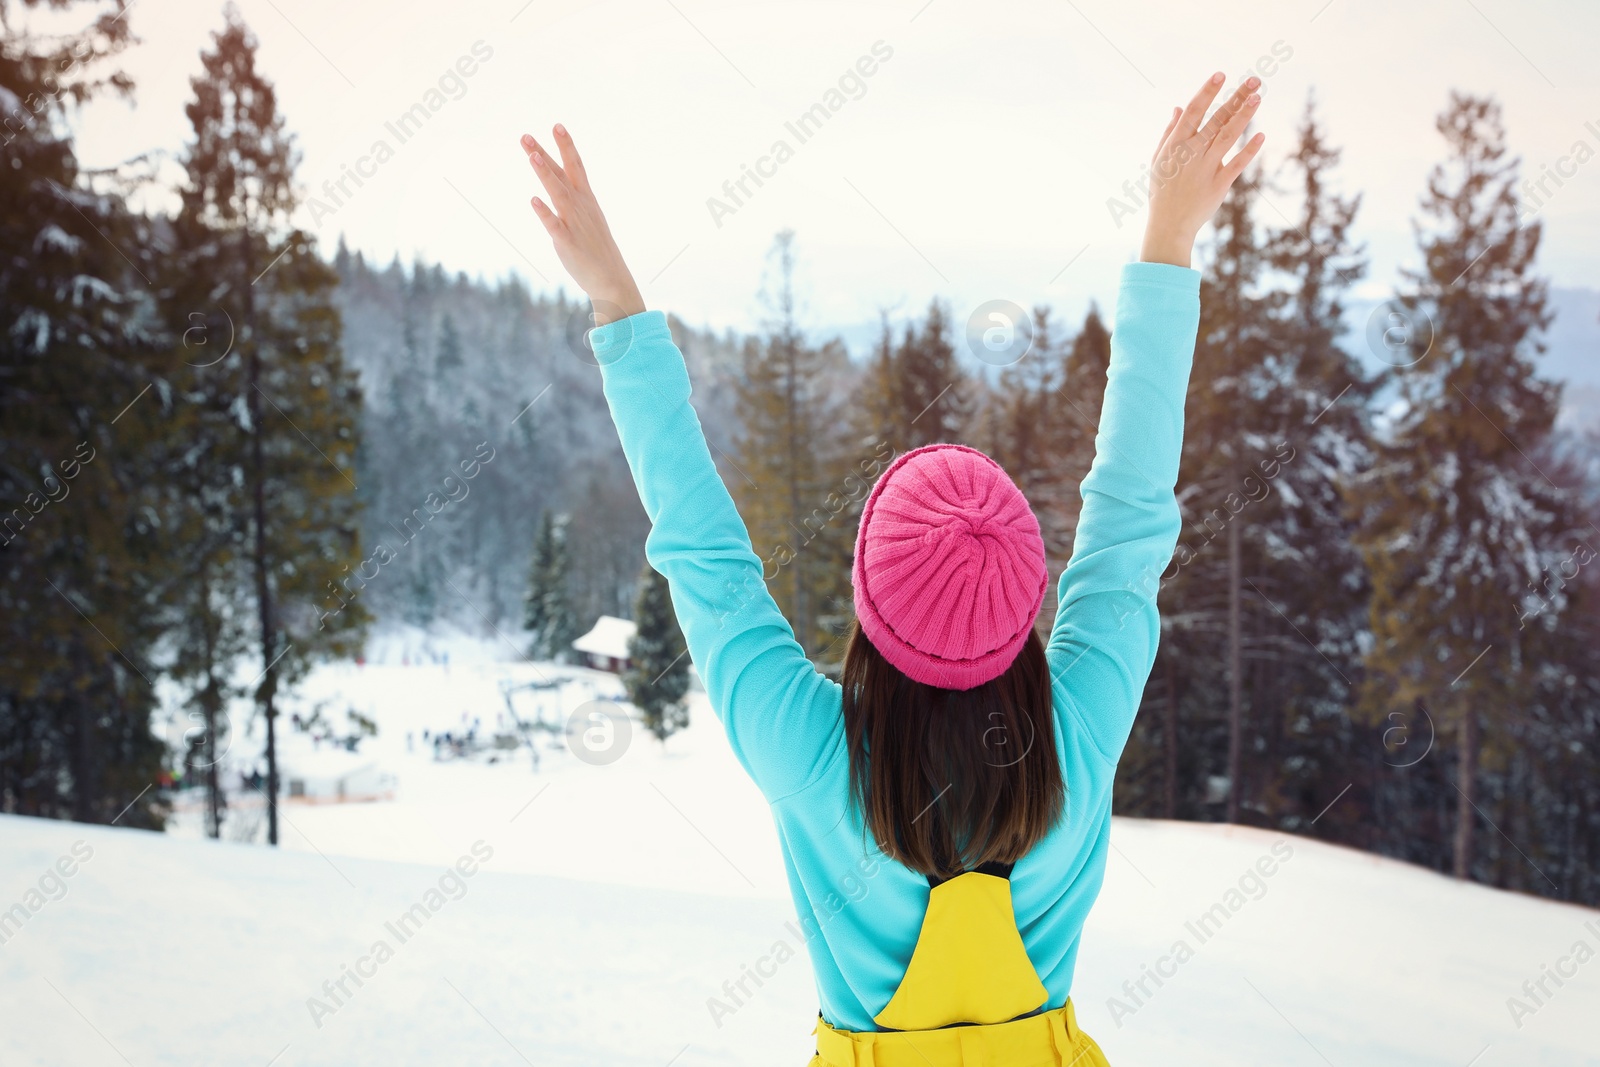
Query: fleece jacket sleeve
point(780, 714)
point(1103, 642)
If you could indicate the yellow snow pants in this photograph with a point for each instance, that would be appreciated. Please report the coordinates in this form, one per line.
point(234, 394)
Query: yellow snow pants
point(970, 996)
point(1049, 1040)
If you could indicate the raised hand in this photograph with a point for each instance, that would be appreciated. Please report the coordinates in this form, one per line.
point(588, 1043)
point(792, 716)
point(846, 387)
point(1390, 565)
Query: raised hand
point(1188, 178)
point(582, 240)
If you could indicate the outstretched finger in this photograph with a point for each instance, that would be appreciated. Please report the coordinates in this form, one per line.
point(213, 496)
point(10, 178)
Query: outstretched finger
point(531, 146)
point(549, 173)
point(1228, 110)
point(1198, 106)
point(1234, 129)
point(571, 162)
point(546, 216)
point(1241, 159)
point(1172, 124)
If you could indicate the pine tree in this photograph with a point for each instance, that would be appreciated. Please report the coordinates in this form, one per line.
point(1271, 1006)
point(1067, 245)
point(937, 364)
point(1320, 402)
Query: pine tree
point(449, 359)
point(1313, 401)
point(914, 391)
point(931, 390)
point(1544, 785)
point(1078, 399)
point(548, 609)
point(206, 538)
point(790, 470)
point(412, 424)
point(78, 569)
point(1029, 431)
point(1239, 333)
point(296, 402)
point(1088, 360)
point(657, 677)
point(1457, 523)
point(874, 418)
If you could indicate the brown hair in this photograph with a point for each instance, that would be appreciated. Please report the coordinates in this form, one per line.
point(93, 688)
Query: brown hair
point(949, 779)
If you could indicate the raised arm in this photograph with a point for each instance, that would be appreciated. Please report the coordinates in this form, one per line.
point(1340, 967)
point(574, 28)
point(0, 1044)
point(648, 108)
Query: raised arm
point(1103, 643)
point(781, 716)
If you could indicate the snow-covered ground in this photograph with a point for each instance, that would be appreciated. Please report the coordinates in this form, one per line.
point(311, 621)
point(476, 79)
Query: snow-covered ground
point(609, 902)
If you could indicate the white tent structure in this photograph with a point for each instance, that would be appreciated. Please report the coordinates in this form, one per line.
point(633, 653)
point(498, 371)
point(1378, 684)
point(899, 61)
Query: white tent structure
point(605, 647)
point(333, 775)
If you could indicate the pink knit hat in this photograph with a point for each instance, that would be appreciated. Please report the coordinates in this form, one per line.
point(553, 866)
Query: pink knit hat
point(950, 568)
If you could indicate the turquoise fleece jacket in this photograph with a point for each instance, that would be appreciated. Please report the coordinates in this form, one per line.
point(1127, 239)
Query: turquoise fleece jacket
point(859, 910)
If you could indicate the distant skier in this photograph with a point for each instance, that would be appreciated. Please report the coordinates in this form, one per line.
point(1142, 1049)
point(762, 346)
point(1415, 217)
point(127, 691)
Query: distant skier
point(957, 736)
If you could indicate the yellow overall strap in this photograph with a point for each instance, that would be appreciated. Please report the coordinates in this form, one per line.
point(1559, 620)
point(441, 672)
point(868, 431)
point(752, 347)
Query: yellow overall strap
point(969, 964)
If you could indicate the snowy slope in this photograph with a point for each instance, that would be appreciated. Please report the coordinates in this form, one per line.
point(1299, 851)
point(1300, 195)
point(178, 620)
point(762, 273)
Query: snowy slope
point(617, 902)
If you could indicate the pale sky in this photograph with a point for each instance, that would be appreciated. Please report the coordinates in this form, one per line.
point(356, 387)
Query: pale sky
point(974, 163)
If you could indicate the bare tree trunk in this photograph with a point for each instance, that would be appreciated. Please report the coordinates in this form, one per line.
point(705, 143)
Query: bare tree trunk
point(210, 702)
point(85, 786)
point(264, 691)
point(210, 708)
point(1466, 786)
point(213, 786)
point(1235, 702)
point(1169, 776)
point(269, 634)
